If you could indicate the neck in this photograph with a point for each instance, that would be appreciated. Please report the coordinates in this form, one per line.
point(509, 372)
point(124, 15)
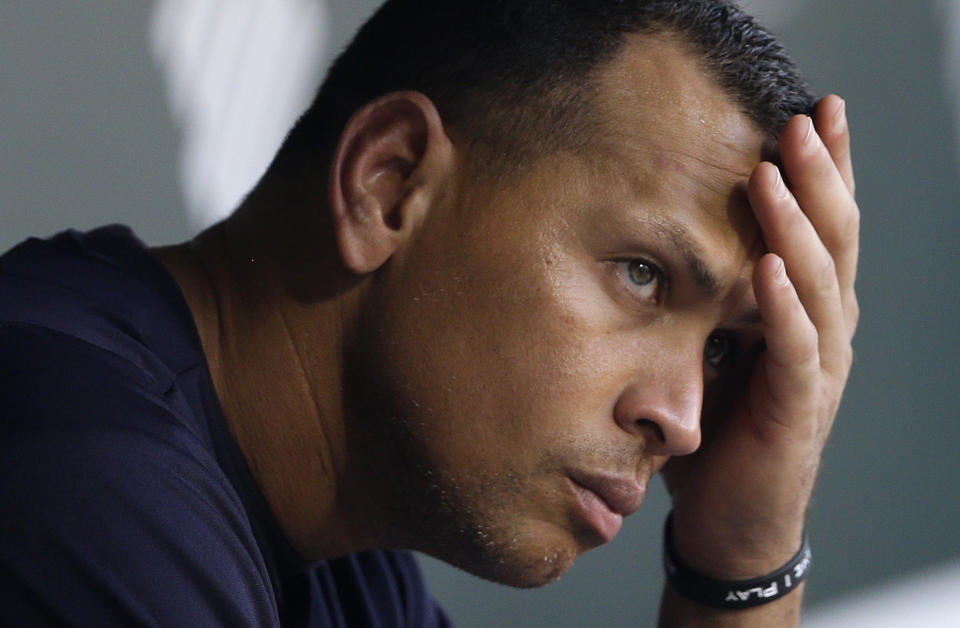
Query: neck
point(271, 305)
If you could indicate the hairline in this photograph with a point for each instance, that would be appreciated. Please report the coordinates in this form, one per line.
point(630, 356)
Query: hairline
point(582, 114)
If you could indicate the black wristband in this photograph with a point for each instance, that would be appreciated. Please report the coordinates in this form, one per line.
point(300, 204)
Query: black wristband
point(736, 594)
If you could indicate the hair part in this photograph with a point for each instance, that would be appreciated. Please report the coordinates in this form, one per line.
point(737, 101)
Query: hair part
point(514, 80)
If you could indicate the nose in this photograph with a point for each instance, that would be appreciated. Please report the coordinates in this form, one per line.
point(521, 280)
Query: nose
point(663, 407)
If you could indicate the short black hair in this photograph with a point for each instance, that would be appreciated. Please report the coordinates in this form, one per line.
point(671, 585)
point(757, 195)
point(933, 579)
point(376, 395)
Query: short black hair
point(513, 77)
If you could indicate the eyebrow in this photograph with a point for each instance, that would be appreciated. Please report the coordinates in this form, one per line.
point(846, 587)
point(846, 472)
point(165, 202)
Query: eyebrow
point(696, 264)
point(692, 256)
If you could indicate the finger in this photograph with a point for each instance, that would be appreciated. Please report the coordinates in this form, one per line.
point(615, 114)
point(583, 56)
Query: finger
point(789, 233)
point(830, 119)
point(792, 359)
point(820, 190)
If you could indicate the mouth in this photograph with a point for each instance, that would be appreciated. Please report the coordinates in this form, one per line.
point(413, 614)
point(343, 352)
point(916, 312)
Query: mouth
point(605, 500)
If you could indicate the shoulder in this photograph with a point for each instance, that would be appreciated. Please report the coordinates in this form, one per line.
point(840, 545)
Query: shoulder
point(115, 512)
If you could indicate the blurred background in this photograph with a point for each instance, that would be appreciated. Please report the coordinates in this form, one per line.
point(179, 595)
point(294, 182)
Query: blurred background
point(162, 114)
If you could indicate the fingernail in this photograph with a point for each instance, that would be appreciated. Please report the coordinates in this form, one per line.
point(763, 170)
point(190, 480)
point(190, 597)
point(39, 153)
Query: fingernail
point(810, 135)
point(780, 274)
point(840, 116)
point(779, 187)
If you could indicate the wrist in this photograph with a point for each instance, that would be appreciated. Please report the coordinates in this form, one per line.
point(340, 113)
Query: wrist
point(735, 550)
point(734, 593)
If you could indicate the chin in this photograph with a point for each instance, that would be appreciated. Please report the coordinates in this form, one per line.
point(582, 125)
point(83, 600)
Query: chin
point(526, 573)
point(544, 571)
point(524, 561)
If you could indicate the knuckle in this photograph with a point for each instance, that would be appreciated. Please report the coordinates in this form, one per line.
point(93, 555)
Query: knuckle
point(826, 276)
point(853, 314)
point(837, 368)
point(851, 226)
point(808, 348)
point(798, 350)
point(845, 231)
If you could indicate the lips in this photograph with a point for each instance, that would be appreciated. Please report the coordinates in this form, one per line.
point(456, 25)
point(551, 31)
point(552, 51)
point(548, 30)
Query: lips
point(605, 500)
point(624, 496)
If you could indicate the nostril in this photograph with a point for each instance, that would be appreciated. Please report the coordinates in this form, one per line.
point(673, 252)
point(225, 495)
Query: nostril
point(666, 417)
point(652, 430)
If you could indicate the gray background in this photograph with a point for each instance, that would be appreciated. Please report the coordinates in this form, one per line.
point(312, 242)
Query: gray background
point(87, 139)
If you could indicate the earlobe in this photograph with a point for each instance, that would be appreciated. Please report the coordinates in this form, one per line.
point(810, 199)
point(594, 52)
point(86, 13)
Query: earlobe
point(391, 157)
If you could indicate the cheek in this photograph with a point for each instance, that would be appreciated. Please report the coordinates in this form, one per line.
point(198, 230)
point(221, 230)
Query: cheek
point(491, 356)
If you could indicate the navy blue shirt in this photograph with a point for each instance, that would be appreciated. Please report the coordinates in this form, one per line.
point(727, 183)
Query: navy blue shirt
point(124, 500)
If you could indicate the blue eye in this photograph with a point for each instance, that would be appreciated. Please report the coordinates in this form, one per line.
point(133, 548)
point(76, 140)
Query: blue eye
point(719, 350)
point(643, 278)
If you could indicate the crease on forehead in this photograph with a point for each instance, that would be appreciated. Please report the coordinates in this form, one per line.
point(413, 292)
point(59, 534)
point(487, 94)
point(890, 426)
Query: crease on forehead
point(662, 178)
point(700, 165)
point(711, 171)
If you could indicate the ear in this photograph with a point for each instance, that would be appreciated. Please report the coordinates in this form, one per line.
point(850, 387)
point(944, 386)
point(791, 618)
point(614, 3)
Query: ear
point(392, 156)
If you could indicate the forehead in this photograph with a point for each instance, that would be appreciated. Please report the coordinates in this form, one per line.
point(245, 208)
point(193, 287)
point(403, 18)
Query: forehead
point(669, 135)
point(656, 102)
point(659, 76)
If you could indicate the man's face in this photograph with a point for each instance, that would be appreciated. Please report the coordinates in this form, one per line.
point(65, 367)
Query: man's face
point(538, 350)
